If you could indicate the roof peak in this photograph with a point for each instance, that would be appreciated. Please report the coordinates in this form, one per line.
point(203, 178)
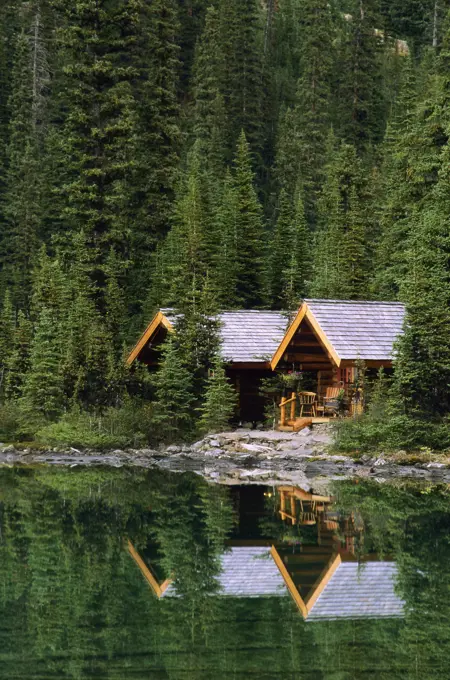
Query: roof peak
point(356, 302)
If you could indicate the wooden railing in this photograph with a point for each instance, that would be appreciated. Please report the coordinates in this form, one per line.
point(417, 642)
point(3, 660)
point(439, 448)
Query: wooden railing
point(283, 404)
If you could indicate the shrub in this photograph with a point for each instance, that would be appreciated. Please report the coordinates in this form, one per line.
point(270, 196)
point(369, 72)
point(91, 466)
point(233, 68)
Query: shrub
point(117, 427)
point(397, 431)
point(385, 426)
point(14, 424)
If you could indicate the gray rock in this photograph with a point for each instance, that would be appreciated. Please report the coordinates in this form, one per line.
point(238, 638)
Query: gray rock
point(323, 438)
point(198, 445)
point(436, 465)
point(289, 445)
point(173, 449)
point(255, 448)
point(300, 453)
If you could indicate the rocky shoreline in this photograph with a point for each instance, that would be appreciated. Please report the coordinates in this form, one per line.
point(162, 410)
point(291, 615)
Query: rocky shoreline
point(244, 456)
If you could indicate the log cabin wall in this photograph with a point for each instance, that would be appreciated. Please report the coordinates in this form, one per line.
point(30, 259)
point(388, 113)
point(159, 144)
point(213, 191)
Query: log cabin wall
point(150, 354)
point(305, 353)
point(247, 382)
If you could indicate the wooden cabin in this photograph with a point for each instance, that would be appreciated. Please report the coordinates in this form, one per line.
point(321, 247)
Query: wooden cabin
point(249, 341)
point(325, 343)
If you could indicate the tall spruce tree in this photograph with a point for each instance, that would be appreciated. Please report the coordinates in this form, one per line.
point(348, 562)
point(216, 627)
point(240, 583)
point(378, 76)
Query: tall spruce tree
point(290, 265)
point(422, 373)
point(396, 201)
point(186, 250)
point(157, 136)
point(297, 269)
point(23, 177)
point(413, 157)
point(241, 29)
point(9, 24)
point(304, 127)
point(422, 366)
point(341, 262)
point(281, 248)
point(210, 122)
point(361, 108)
point(250, 236)
point(225, 264)
point(96, 43)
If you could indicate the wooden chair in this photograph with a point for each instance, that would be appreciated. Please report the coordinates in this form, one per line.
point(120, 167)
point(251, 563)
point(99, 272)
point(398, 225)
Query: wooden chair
point(307, 401)
point(329, 400)
point(307, 519)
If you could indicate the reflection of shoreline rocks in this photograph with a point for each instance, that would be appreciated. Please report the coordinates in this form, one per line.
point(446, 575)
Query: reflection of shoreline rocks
point(241, 456)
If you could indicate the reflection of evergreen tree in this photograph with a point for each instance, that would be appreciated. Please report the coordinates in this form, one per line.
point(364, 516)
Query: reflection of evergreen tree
point(73, 604)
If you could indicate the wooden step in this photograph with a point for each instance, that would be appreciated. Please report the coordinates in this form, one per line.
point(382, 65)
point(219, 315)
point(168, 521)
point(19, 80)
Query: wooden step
point(301, 423)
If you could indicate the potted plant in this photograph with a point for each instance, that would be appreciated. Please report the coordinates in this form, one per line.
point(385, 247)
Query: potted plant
point(292, 380)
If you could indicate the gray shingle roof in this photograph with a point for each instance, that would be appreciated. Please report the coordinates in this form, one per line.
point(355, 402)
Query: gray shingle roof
point(247, 572)
point(365, 330)
point(359, 591)
point(248, 335)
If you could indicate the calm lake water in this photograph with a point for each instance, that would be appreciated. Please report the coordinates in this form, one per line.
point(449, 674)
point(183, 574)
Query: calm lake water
point(126, 574)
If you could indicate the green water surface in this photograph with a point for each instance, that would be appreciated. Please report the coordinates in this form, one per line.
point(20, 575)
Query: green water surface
point(74, 603)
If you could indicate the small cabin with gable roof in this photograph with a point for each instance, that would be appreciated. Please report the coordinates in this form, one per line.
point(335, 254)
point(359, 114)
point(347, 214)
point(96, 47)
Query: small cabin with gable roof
point(325, 344)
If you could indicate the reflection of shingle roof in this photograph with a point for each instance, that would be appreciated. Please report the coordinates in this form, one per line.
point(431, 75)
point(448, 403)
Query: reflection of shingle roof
point(365, 330)
point(248, 335)
point(359, 591)
point(247, 572)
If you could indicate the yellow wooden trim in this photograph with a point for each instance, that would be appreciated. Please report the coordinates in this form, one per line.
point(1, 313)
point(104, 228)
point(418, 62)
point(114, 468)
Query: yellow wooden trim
point(304, 495)
point(322, 582)
point(304, 312)
point(158, 320)
point(165, 584)
point(322, 337)
point(288, 337)
point(147, 574)
point(289, 582)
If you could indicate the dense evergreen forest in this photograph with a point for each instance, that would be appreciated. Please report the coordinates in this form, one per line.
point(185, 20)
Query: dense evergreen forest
point(210, 154)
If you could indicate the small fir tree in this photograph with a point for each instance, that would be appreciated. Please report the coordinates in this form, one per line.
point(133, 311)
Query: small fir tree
point(174, 394)
point(43, 392)
point(18, 362)
point(220, 400)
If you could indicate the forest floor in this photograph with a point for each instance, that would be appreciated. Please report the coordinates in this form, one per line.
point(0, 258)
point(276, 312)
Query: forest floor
point(305, 459)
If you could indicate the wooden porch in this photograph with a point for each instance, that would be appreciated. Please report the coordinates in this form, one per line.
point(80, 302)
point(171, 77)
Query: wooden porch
point(303, 409)
point(300, 423)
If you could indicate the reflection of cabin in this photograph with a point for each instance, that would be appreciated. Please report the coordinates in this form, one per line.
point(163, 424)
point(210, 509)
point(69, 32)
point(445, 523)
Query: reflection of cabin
point(343, 588)
point(321, 574)
point(325, 343)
